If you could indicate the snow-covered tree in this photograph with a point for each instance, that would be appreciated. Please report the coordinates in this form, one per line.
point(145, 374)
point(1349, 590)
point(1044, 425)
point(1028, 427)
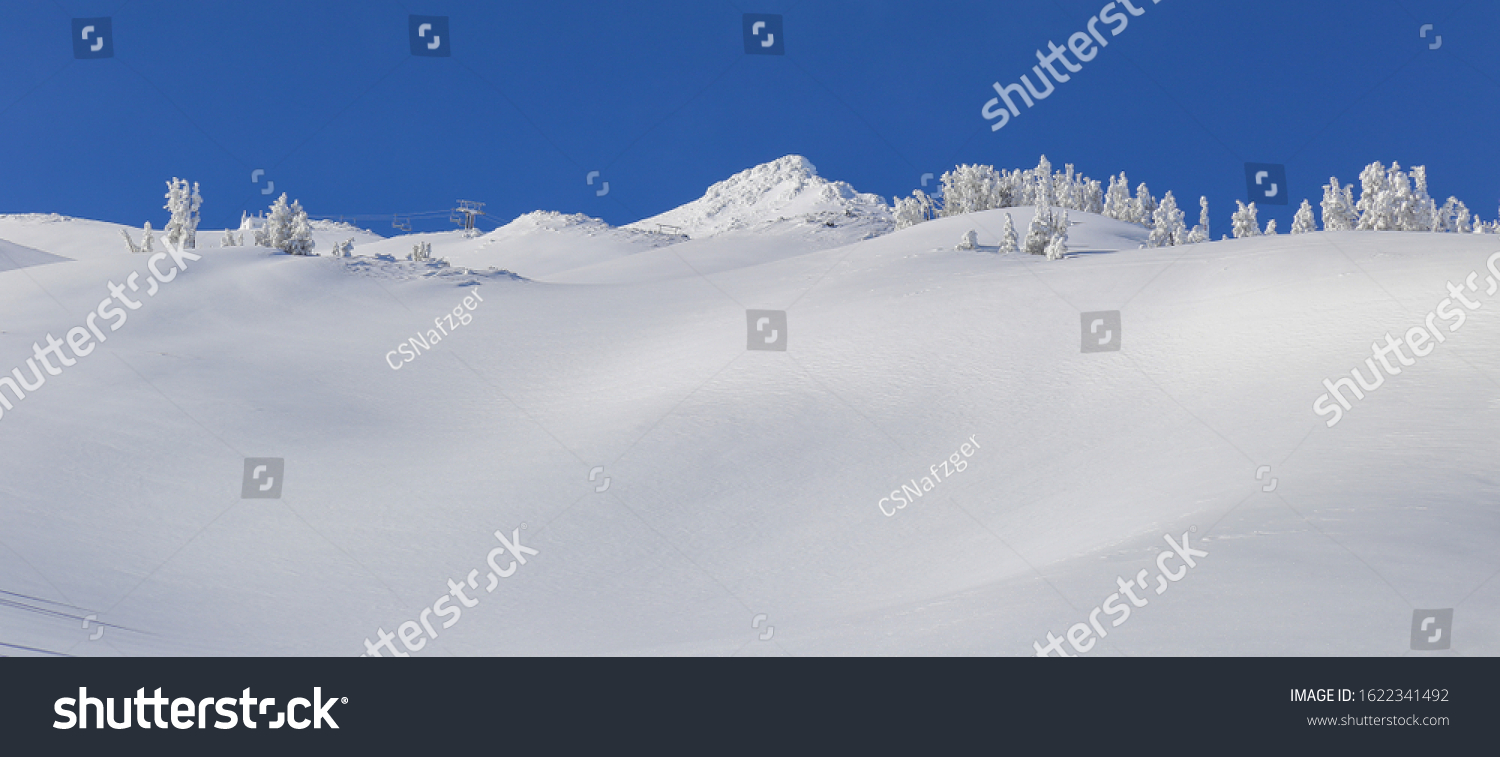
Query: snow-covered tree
point(421, 251)
point(1038, 232)
point(1303, 222)
point(970, 241)
point(1338, 207)
point(286, 228)
point(1245, 224)
point(1374, 202)
point(1200, 232)
point(1142, 206)
point(1008, 237)
point(183, 204)
point(1424, 210)
point(1057, 246)
point(148, 241)
point(228, 240)
point(1046, 189)
point(913, 210)
point(344, 249)
point(1401, 202)
point(272, 231)
point(1454, 216)
point(1167, 228)
point(1270, 227)
point(129, 243)
point(301, 241)
point(1117, 203)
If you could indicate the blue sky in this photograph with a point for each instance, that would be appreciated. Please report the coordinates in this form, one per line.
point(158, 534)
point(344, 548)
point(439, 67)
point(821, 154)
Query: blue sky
point(661, 98)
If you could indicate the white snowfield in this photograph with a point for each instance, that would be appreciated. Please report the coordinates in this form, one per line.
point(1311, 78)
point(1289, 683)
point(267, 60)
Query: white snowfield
point(745, 493)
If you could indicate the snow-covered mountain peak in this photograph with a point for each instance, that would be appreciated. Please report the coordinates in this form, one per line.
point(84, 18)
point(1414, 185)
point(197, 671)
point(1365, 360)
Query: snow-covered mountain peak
point(785, 191)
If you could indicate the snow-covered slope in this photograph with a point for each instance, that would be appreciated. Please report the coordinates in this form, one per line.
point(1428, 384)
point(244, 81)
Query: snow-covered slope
point(745, 483)
point(82, 239)
point(785, 192)
point(536, 245)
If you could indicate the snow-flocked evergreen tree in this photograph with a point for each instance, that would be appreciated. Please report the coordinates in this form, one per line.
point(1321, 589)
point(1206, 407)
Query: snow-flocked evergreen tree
point(228, 240)
point(1167, 228)
point(1374, 202)
point(344, 249)
point(1057, 246)
point(1199, 232)
point(182, 229)
point(148, 240)
point(129, 243)
point(421, 252)
point(1338, 207)
point(1303, 222)
point(1038, 232)
point(1270, 227)
point(1008, 237)
point(1425, 211)
point(301, 241)
point(286, 228)
point(970, 241)
point(1142, 206)
point(1245, 224)
point(1117, 203)
point(913, 210)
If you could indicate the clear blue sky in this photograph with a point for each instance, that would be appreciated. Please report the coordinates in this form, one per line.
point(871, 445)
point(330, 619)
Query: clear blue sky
point(661, 98)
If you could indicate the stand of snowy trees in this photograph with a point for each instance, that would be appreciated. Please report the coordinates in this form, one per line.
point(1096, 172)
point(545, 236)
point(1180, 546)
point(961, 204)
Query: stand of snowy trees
point(972, 188)
point(1393, 200)
point(1390, 199)
point(182, 226)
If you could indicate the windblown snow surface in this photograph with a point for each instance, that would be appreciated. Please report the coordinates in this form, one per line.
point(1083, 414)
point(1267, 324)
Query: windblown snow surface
point(739, 506)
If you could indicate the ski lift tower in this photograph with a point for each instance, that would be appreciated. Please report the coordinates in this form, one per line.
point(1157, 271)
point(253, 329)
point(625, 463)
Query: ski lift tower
point(469, 210)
